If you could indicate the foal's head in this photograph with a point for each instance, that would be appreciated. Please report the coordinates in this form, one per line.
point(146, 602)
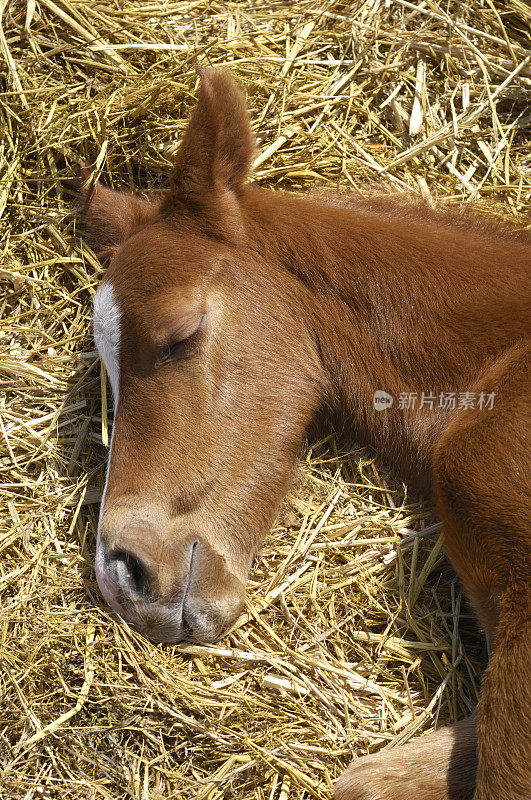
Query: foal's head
point(214, 378)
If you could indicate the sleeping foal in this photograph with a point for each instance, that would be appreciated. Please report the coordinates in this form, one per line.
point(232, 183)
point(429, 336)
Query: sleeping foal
point(229, 320)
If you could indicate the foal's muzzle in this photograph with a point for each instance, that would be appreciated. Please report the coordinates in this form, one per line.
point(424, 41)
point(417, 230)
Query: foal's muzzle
point(204, 599)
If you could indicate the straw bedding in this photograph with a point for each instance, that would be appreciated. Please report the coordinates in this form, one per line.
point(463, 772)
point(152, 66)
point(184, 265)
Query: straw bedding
point(356, 635)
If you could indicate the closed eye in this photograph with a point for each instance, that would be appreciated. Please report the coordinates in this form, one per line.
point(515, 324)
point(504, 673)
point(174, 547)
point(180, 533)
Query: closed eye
point(171, 352)
point(180, 348)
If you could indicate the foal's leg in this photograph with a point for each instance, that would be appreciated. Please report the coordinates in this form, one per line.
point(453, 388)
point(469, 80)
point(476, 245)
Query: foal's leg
point(438, 766)
point(482, 484)
point(482, 479)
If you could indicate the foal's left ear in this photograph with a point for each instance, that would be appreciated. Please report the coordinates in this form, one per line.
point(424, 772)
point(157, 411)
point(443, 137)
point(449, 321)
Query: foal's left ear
point(218, 147)
point(108, 217)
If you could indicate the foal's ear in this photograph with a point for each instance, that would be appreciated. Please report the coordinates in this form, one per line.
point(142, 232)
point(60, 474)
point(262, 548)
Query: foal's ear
point(218, 147)
point(109, 217)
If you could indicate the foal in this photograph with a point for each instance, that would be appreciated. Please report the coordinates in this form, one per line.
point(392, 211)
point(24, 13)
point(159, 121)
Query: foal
point(229, 320)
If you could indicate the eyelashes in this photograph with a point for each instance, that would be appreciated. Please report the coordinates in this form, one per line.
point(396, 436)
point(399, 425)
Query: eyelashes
point(181, 348)
point(174, 351)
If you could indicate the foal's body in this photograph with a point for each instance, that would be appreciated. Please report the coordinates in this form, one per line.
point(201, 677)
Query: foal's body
point(231, 318)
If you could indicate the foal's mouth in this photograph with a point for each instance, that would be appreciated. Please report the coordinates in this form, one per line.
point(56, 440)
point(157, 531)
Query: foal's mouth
point(193, 614)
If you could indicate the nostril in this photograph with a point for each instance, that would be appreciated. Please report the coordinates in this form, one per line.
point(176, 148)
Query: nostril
point(131, 573)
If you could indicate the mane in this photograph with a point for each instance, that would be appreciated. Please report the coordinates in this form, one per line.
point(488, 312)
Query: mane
point(410, 206)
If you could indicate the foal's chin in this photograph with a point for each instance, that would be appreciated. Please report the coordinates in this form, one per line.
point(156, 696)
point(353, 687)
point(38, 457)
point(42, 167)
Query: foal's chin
point(196, 619)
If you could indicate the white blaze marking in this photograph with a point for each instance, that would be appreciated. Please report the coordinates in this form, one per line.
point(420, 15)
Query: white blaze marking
point(106, 327)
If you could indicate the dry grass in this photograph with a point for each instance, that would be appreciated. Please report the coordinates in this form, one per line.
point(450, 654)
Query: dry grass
point(354, 636)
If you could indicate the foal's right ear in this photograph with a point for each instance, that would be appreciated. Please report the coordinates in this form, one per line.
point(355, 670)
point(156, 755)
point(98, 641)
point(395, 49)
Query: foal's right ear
point(109, 217)
point(217, 148)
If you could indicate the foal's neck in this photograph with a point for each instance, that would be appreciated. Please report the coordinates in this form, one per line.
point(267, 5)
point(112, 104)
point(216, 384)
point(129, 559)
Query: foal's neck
point(398, 301)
